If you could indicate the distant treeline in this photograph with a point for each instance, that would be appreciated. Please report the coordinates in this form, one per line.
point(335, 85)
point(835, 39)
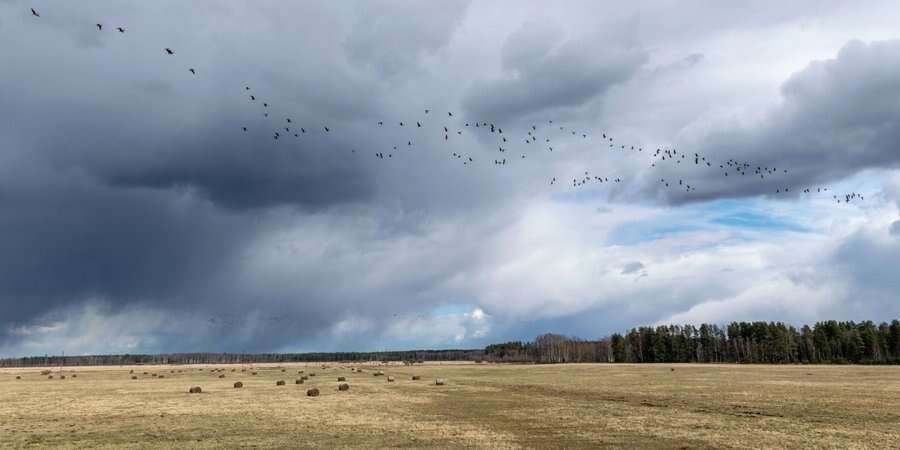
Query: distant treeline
point(243, 358)
point(828, 342)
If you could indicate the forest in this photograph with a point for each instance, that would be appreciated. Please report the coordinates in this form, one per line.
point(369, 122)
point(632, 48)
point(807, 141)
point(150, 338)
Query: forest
point(827, 342)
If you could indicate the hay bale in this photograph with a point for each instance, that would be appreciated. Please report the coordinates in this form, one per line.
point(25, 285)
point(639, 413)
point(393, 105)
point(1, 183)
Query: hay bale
point(238, 385)
point(222, 376)
point(45, 372)
point(416, 378)
point(132, 371)
point(252, 373)
point(134, 377)
point(62, 377)
point(299, 372)
point(671, 369)
point(304, 377)
point(49, 377)
point(312, 392)
point(74, 375)
point(298, 381)
point(161, 377)
point(343, 387)
point(279, 383)
point(18, 377)
point(195, 390)
point(283, 370)
point(233, 370)
point(342, 378)
point(312, 374)
point(146, 373)
point(378, 373)
point(390, 379)
point(439, 382)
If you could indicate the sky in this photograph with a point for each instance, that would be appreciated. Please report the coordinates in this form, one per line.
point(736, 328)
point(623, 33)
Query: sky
point(136, 214)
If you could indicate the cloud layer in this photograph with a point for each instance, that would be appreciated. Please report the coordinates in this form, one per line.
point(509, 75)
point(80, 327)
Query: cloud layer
point(137, 215)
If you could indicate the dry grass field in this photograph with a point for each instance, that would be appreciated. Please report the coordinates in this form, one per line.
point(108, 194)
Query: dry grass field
point(480, 406)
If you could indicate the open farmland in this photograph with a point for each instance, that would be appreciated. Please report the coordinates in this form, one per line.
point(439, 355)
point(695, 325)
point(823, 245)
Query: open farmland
point(487, 406)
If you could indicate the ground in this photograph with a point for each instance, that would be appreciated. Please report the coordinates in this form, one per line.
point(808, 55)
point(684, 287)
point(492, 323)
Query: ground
point(480, 406)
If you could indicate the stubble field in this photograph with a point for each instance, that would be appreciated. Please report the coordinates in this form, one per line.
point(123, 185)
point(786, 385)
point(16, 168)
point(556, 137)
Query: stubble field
point(480, 406)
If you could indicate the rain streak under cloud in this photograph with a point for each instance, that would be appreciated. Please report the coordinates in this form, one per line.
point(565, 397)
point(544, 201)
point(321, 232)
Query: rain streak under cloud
point(138, 215)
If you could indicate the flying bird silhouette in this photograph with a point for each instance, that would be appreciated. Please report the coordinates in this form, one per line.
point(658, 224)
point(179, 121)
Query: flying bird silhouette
point(34, 13)
point(121, 30)
point(169, 51)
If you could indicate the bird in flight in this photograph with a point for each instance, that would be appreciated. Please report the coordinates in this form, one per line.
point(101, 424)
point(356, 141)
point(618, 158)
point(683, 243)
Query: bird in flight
point(169, 51)
point(121, 30)
point(192, 71)
point(100, 27)
point(34, 13)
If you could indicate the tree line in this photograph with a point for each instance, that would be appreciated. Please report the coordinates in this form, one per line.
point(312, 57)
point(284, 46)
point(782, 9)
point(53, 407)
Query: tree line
point(827, 342)
point(411, 356)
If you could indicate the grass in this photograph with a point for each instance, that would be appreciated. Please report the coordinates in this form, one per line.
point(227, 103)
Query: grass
point(481, 406)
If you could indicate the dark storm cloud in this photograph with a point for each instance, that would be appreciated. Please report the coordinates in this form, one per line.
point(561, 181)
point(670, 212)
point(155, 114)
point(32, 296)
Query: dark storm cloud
point(541, 70)
point(64, 237)
point(837, 117)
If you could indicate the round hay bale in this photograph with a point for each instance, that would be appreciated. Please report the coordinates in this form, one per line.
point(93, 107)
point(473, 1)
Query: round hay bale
point(304, 377)
point(416, 378)
point(252, 373)
point(18, 377)
point(671, 369)
point(378, 373)
point(62, 377)
point(243, 370)
point(390, 379)
point(222, 376)
point(131, 371)
point(299, 372)
point(298, 381)
point(312, 392)
point(146, 373)
point(45, 372)
point(195, 390)
point(238, 385)
point(439, 382)
point(342, 378)
point(233, 370)
point(279, 383)
point(74, 375)
point(134, 377)
point(312, 374)
point(162, 376)
point(283, 370)
point(49, 377)
point(343, 387)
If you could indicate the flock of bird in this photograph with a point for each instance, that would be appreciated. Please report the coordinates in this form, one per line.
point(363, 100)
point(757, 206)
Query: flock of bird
point(537, 138)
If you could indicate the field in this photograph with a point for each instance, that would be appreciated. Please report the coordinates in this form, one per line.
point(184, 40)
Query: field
point(480, 406)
